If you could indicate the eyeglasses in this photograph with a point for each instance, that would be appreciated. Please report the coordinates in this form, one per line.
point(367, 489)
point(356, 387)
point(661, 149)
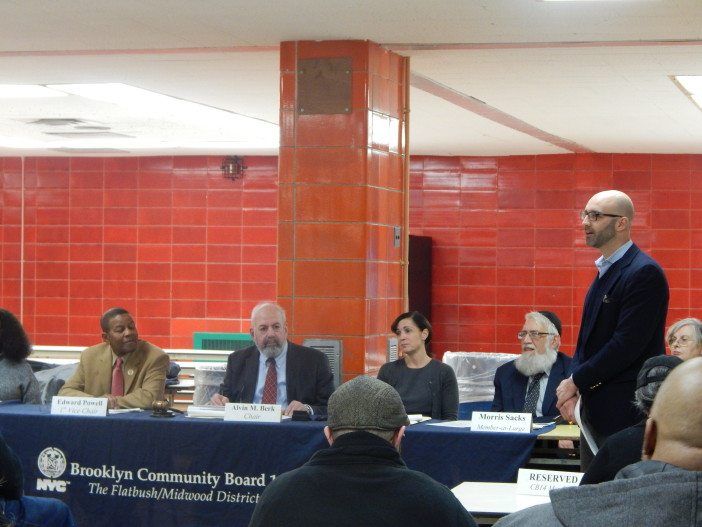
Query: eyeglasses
point(593, 215)
point(533, 334)
point(682, 341)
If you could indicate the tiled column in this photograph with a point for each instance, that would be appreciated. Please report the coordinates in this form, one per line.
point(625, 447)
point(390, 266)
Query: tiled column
point(341, 166)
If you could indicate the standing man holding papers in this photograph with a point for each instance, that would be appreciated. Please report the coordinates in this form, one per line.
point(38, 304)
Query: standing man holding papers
point(622, 325)
point(276, 371)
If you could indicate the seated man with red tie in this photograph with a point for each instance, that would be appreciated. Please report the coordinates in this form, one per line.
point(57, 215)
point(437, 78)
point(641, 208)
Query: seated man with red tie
point(130, 372)
point(276, 371)
point(528, 383)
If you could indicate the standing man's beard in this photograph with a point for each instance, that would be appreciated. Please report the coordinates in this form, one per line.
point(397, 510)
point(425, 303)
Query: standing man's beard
point(531, 363)
point(271, 351)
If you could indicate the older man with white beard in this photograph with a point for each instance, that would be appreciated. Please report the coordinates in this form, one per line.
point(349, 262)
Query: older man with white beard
point(528, 383)
point(276, 371)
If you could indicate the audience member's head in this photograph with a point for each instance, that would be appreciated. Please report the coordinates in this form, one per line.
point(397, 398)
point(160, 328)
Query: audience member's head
point(14, 343)
point(269, 330)
point(651, 376)
point(369, 405)
point(539, 339)
point(684, 338)
point(674, 427)
point(413, 331)
point(119, 331)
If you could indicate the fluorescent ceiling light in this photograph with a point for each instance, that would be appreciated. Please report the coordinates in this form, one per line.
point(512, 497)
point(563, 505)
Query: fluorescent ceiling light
point(690, 83)
point(27, 91)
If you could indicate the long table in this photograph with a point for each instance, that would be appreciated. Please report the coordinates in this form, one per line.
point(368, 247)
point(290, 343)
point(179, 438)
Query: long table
point(133, 469)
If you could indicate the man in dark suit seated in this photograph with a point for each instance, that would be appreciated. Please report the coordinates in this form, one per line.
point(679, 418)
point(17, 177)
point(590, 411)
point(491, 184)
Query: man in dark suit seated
point(276, 371)
point(528, 383)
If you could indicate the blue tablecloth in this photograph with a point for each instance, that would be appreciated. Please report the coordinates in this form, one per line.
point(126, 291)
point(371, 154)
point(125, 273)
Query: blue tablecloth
point(135, 470)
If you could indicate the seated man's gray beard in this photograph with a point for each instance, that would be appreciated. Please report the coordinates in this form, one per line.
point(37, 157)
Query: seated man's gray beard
point(270, 352)
point(534, 362)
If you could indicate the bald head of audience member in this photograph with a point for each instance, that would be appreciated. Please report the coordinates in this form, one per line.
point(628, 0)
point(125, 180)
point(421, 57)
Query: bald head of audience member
point(674, 428)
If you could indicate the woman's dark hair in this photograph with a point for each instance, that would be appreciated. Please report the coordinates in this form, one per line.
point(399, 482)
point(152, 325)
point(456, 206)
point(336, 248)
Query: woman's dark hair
point(14, 343)
point(420, 321)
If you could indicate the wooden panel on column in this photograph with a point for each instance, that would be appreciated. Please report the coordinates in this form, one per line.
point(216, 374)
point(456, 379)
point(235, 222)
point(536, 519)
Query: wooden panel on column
point(342, 119)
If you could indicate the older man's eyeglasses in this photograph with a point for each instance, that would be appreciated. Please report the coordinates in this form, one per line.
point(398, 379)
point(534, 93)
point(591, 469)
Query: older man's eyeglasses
point(680, 341)
point(533, 334)
point(594, 215)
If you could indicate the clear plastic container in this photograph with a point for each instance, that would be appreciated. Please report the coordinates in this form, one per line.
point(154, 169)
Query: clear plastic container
point(475, 372)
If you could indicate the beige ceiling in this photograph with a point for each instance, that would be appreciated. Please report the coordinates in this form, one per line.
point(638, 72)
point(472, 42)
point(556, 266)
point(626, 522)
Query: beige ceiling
point(489, 76)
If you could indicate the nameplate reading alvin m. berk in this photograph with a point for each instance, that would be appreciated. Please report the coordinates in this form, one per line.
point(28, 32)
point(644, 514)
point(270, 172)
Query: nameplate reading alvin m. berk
point(541, 482)
point(78, 405)
point(514, 423)
point(259, 413)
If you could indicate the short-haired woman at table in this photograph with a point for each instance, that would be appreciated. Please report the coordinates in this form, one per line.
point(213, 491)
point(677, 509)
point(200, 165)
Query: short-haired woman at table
point(426, 386)
point(17, 381)
point(685, 338)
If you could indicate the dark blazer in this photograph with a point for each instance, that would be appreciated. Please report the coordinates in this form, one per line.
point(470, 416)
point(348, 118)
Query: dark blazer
point(511, 386)
point(308, 376)
point(623, 324)
point(620, 450)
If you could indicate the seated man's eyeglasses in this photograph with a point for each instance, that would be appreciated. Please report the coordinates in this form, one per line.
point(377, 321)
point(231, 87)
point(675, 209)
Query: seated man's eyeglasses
point(533, 334)
point(594, 215)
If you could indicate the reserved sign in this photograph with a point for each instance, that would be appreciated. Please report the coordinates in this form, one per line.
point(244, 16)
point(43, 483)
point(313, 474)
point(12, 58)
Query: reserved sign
point(78, 405)
point(540, 482)
point(260, 413)
point(501, 422)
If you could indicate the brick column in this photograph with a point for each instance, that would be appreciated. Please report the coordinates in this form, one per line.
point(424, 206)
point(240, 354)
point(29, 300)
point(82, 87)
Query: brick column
point(342, 193)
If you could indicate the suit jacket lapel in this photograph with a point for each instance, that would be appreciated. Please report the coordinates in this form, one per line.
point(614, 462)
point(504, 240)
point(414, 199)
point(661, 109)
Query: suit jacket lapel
point(250, 376)
point(292, 368)
point(519, 391)
point(132, 365)
point(554, 378)
point(608, 281)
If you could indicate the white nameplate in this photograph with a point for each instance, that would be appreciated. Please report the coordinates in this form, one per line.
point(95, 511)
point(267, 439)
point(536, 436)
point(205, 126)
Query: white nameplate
point(540, 482)
point(260, 413)
point(500, 422)
point(78, 405)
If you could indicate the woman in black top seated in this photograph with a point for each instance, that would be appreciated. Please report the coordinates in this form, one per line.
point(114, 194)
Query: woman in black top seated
point(426, 386)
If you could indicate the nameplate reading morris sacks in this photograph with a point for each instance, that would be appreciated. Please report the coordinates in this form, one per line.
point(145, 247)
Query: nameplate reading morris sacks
point(500, 422)
point(78, 405)
point(541, 482)
point(260, 413)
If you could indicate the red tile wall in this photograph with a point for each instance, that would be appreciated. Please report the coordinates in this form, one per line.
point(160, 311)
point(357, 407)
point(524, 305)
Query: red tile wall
point(507, 237)
point(168, 238)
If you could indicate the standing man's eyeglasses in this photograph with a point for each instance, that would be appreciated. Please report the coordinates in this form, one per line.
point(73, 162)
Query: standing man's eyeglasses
point(594, 215)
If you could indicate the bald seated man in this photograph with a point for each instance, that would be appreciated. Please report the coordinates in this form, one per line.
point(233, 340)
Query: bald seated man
point(276, 371)
point(665, 488)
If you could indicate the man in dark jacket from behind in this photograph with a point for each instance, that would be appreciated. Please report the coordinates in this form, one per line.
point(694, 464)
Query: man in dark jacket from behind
point(361, 478)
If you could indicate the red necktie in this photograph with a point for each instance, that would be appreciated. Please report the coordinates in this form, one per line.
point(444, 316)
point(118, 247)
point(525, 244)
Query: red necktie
point(117, 378)
point(270, 387)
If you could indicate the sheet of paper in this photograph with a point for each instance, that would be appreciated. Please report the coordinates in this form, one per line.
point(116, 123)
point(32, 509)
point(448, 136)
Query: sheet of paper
point(452, 424)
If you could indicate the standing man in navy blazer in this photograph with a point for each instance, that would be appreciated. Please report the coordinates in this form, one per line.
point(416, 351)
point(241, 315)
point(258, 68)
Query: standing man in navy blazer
point(304, 380)
point(540, 362)
point(622, 325)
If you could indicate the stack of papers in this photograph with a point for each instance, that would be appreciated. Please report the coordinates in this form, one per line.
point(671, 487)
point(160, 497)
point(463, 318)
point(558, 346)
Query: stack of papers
point(417, 418)
point(206, 412)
